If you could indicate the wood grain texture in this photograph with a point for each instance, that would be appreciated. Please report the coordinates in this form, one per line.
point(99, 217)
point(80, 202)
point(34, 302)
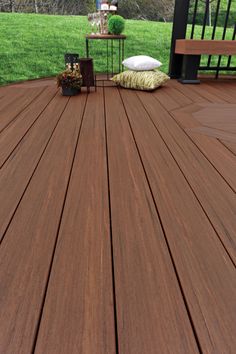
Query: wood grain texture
point(10, 96)
point(16, 130)
point(214, 194)
point(118, 235)
point(187, 91)
point(151, 317)
point(24, 270)
point(231, 146)
point(224, 89)
point(15, 103)
point(206, 273)
point(81, 280)
point(212, 94)
point(171, 98)
point(16, 173)
point(216, 133)
point(204, 46)
point(204, 123)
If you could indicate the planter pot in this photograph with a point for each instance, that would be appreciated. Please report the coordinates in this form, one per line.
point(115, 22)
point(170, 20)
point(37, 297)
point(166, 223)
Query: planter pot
point(70, 91)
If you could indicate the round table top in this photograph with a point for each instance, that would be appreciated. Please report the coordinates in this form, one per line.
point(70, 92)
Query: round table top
point(106, 36)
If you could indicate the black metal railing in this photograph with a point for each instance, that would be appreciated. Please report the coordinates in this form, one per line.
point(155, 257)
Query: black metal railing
point(204, 19)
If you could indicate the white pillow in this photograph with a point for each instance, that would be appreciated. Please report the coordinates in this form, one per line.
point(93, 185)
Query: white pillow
point(141, 63)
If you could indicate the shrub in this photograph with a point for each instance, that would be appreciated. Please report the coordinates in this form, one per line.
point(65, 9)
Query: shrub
point(70, 78)
point(116, 24)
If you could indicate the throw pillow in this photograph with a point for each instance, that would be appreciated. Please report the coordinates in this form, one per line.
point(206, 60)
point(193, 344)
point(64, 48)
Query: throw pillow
point(141, 80)
point(141, 63)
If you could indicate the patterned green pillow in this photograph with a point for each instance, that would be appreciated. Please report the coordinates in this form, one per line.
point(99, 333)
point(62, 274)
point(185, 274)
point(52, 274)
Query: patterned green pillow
point(141, 80)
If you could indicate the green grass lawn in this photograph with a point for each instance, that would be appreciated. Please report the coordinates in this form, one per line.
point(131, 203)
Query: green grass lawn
point(33, 46)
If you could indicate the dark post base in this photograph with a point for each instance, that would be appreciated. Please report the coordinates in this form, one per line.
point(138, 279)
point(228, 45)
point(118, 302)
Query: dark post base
point(184, 81)
point(190, 69)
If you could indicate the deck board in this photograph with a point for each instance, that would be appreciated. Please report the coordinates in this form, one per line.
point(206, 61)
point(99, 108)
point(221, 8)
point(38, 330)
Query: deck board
point(140, 252)
point(87, 325)
point(17, 129)
point(230, 145)
point(18, 170)
point(212, 273)
point(14, 103)
point(200, 174)
point(216, 152)
point(118, 219)
point(35, 230)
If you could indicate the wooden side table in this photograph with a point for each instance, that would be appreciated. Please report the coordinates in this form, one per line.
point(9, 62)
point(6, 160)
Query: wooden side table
point(109, 38)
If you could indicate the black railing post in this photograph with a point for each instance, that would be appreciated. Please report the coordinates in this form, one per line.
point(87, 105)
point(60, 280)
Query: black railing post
point(180, 22)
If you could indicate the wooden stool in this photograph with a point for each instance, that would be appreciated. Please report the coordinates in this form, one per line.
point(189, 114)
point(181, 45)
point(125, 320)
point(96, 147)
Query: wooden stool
point(87, 72)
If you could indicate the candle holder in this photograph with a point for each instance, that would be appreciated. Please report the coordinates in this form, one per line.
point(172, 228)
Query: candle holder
point(104, 20)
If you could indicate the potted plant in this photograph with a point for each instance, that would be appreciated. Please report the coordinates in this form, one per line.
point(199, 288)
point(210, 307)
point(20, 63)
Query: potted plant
point(70, 81)
point(116, 24)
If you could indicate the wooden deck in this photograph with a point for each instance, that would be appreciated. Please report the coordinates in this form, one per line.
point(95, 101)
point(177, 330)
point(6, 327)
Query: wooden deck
point(118, 220)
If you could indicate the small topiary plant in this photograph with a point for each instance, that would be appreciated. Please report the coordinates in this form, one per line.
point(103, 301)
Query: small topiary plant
point(116, 24)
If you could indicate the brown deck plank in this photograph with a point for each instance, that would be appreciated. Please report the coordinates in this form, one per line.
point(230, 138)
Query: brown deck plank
point(216, 133)
point(206, 273)
point(140, 262)
point(209, 93)
point(215, 94)
point(16, 173)
point(214, 194)
point(16, 130)
point(227, 87)
point(82, 272)
point(171, 97)
point(15, 103)
point(4, 91)
point(231, 146)
point(150, 309)
point(27, 250)
point(213, 149)
point(187, 91)
point(9, 97)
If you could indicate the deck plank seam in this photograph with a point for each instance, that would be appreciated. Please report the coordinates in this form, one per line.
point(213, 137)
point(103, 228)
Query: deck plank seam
point(204, 155)
point(2, 237)
point(22, 110)
point(27, 131)
point(194, 193)
point(44, 297)
point(177, 109)
point(201, 93)
point(178, 87)
point(232, 152)
point(227, 96)
point(218, 139)
point(165, 236)
point(193, 142)
point(111, 230)
point(198, 93)
point(218, 95)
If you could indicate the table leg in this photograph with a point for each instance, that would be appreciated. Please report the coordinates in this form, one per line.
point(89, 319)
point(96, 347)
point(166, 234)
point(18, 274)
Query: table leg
point(119, 55)
point(87, 48)
point(112, 63)
point(123, 53)
point(107, 59)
